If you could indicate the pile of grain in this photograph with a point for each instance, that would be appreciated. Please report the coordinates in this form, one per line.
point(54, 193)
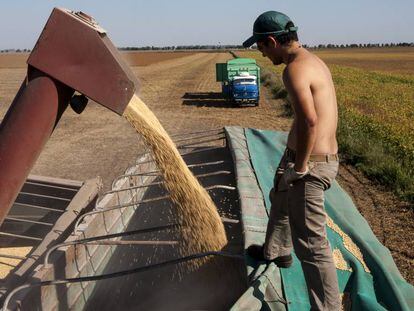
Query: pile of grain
point(8, 264)
point(201, 227)
point(339, 260)
point(348, 243)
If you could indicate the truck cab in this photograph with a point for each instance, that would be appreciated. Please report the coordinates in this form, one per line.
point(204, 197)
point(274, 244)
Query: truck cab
point(245, 89)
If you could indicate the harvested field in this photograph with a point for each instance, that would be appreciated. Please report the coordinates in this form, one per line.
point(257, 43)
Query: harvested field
point(99, 142)
point(135, 58)
point(150, 57)
point(13, 60)
point(396, 60)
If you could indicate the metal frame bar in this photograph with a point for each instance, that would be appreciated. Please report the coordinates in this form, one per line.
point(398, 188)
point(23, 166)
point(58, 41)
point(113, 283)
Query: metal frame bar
point(201, 136)
point(161, 182)
point(40, 184)
point(158, 171)
point(199, 150)
point(219, 130)
point(140, 155)
point(154, 184)
point(187, 145)
point(116, 274)
point(131, 242)
point(185, 139)
point(20, 236)
point(140, 202)
point(30, 221)
point(103, 237)
point(40, 207)
point(182, 154)
point(45, 196)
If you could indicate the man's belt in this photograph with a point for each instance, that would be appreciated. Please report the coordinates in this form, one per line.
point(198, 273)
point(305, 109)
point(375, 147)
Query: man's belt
point(314, 157)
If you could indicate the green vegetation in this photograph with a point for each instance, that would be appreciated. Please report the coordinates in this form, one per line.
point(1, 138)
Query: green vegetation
point(376, 128)
point(274, 82)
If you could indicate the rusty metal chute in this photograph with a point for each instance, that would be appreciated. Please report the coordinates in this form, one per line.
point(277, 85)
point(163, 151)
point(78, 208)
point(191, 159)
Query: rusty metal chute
point(72, 54)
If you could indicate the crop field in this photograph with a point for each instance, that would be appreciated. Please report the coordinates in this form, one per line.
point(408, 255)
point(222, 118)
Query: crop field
point(13, 60)
point(141, 58)
point(375, 90)
point(396, 60)
point(181, 89)
point(148, 57)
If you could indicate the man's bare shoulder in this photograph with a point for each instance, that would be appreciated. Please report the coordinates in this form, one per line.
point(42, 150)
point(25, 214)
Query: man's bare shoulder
point(299, 70)
point(304, 68)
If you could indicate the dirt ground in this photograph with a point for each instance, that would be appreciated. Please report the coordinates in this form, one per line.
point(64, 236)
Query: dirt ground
point(183, 94)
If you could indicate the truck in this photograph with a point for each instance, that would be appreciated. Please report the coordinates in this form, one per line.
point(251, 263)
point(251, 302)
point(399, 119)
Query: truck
point(240, 80)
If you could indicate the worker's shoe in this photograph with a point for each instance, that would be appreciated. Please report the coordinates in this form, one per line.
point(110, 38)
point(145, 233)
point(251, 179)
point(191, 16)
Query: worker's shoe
point(283, 261)
point(256, 251)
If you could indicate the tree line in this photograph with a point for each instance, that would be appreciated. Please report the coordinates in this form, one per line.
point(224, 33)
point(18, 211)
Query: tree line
point(238, 47)
point(359, 45)
point(15, 51)
point(181, 47)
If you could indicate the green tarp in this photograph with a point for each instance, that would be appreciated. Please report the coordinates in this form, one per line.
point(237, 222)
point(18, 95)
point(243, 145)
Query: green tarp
point(381, 288)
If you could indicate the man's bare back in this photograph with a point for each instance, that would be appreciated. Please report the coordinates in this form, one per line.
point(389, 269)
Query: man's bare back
point(307, 77)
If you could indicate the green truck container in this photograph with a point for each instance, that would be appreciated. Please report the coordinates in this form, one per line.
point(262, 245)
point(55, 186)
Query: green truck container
point(240, 79)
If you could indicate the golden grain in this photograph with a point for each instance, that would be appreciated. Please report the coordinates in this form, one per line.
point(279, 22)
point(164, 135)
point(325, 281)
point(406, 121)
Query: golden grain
point(8, 264)
point(339, 260)
point(348, 243)
point(201, 227)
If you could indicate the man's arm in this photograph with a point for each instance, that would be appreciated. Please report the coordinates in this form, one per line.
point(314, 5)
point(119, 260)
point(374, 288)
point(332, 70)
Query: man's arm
point(298, 87)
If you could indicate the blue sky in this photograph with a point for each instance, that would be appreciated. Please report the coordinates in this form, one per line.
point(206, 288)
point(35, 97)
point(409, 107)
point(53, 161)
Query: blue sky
point(185, 22)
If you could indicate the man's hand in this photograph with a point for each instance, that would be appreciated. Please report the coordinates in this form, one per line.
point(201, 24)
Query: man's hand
point(291, 175)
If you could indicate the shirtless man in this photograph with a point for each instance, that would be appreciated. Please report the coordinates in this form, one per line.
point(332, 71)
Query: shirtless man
point(308, 166)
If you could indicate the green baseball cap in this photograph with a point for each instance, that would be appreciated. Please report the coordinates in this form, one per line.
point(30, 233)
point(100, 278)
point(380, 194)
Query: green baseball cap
point(269, 23)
